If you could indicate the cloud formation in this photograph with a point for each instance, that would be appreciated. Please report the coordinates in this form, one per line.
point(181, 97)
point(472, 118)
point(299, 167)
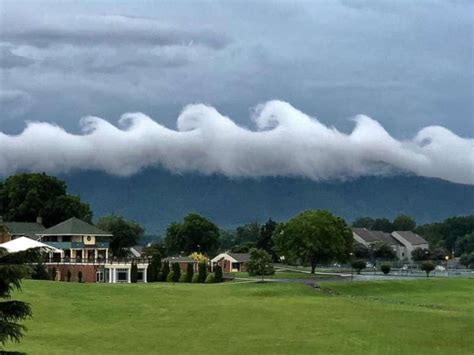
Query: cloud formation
point(108, 30)
point(286, 142)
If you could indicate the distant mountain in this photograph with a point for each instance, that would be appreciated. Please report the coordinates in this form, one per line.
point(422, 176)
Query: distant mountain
point(156, 197)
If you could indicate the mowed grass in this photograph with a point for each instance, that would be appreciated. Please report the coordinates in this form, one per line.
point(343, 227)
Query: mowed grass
point(285, 274)
point(387, 317)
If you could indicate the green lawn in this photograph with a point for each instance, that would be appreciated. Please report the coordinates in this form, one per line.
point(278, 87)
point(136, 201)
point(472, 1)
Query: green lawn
point(286, 274)
point(434, 316)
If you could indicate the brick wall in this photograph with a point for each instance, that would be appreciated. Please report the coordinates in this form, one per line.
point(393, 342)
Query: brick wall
point(88, 272)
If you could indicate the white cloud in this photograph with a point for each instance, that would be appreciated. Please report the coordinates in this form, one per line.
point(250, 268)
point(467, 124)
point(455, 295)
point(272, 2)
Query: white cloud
point(287, 142)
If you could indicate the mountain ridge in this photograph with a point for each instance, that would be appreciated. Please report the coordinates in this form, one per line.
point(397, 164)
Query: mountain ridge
point(155, 197)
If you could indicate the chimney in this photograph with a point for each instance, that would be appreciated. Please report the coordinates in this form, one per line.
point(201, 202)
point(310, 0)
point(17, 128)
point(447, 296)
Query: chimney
point(39, 220)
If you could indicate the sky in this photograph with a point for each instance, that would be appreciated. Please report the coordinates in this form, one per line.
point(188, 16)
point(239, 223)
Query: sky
point(407, 65)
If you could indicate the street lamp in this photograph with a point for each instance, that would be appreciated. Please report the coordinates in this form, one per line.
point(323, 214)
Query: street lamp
point(446, 258)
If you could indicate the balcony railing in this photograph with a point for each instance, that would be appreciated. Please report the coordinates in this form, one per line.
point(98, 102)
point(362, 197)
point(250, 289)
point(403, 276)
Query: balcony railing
point(78, 245)
point(95, 261)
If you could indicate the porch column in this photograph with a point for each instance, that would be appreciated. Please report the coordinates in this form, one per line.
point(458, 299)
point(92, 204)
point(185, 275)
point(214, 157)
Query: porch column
point(106, 254)
point(96, 254)
point(129, 275)
point(144, 274)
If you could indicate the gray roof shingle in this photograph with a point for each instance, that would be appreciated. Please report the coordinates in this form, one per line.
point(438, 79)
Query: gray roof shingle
point(74, 226)
point(412, 237)
point(27, 229)
point(375, 236)
point(240, 257)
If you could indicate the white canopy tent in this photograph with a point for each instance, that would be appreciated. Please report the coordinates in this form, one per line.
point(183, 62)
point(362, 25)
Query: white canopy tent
point(24, 243)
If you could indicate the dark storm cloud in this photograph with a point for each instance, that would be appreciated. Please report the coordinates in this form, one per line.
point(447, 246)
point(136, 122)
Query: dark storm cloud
point(109, 30)
point(11, 60)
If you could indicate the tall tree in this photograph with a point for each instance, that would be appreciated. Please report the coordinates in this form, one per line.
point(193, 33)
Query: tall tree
point(260, 263)
point(382, 224)
point(364, 222)
point(12, 271)
point(314, 237)
point(24, 197)
point(195, 233)
point(404, 222)
point(126, 233)
point(265, 241)
point(247, 233)
point(384, 251)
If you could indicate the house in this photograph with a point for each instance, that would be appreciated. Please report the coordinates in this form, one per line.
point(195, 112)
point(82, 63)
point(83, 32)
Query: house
point(13, 230)
point(182, 261)
point(402, 242)
point(410, 240)
point(231, 262)
point(369, 238)
point(85, 248)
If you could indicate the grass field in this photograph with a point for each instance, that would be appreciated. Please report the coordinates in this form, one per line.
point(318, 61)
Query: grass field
point(286, 274)
point(434, 316)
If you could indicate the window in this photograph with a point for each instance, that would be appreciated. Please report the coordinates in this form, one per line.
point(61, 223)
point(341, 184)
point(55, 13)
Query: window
point(122, 275)
point(140, 275)
point(235, 266)
point(66, 238)
point(99, 276)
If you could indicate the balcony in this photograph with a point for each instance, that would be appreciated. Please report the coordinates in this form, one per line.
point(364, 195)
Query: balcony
point(78, 245)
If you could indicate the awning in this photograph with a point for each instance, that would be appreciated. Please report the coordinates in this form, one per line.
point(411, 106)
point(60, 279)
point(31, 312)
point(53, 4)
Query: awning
point(24, 243)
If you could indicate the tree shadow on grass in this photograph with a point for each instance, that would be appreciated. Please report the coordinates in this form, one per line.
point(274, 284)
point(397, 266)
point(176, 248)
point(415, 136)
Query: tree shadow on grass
point(11, 353)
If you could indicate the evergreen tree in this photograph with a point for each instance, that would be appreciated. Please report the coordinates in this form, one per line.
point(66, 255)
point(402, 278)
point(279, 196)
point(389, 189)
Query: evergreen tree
point(79, 276)
point(53, 274)
point(190, 272)
point(265, 241)
point(176, 272)
point(69, 275)
point(12, 271)
point(202, 271)
point(39, 272)
point(153, 270)
point(218, 274)
point(166, 271)
point(134, 272)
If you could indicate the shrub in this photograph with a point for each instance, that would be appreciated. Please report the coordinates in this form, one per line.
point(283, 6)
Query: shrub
point(79, 276)
point(166, 271)
point(210, 279)
point(68, 275)
point(385, 268)
point(53, 273)
point(358, 265)
point(190, 272)
point(427, 267)
point(195, 279)
point(153, 270)
point(39, 272)
point(183, 277)
point(202, 272)
point(218, 273)
point(134, 273)
point(467, 259)
point(176, 272)
point(170, 277)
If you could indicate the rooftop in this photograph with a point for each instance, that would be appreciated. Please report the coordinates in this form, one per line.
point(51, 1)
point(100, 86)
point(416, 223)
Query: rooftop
point(28, 229)
point(74, 226)
point(412, 237)
point(240, 257)
point(375, 236)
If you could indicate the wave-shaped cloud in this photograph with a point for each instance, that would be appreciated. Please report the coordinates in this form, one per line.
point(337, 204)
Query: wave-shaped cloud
point(287, 142)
